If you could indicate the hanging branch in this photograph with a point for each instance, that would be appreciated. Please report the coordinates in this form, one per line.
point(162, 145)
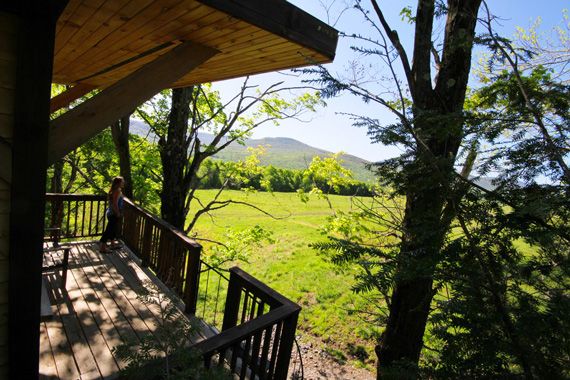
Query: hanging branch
point(503, 46)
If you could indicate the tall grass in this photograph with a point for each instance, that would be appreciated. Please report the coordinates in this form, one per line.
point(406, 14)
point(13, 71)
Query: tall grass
point(291, 266)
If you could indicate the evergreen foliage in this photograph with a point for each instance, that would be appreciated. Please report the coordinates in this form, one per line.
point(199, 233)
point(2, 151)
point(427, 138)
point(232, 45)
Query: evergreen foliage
point(498, 279)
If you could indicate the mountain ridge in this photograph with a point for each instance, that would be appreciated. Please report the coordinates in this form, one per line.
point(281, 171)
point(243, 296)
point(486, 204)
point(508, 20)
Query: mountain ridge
point(281, 152)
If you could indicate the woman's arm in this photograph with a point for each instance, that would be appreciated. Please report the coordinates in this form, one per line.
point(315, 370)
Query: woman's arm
point(115, 203)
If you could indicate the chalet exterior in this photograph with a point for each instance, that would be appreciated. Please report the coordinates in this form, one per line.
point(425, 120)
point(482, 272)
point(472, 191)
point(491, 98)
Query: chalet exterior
point(128, 50)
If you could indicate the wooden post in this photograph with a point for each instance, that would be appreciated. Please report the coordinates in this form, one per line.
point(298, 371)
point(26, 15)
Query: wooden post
point(232, 301)
point(147, 242)
point(192, 280)
point(35, 41)
point(286, 346)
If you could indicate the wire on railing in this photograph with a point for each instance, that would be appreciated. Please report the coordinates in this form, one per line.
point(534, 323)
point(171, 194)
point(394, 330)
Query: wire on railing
point(212, 292)
point(297, 374)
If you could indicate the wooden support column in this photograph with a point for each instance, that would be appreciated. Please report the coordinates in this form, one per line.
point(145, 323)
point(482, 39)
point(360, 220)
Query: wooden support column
point(34, 56)
point(78, 125)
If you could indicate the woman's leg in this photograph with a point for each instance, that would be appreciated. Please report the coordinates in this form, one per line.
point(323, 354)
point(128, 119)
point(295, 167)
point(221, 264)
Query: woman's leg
point(109, 233)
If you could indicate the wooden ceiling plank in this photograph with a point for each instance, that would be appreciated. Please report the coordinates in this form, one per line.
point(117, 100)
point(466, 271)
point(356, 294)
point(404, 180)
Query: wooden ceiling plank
point(283, 19)
point(64, 25)
point(103, 22)
point(129, 33)
point(145, 43)
point(123, 33)
point(222, 37)
point(288, 56)
point(248, 42)
point(80, 16)
point(206, 76)
point(105, 79)
point(211, 66)
point(114, 23)
point(277, 57)
point(76, 126)
point(170, 32)
point(68, 96)
point(229, 75)
point(254, 51)
point(244, 37)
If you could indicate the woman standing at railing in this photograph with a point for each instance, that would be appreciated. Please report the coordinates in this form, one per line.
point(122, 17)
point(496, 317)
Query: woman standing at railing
point(114, 212)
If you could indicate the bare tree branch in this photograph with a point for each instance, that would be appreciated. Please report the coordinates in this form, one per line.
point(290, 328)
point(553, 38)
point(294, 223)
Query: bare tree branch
point(395, 39)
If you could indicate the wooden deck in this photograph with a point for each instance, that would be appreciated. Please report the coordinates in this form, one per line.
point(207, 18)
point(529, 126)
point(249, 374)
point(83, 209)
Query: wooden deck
point(97, 311)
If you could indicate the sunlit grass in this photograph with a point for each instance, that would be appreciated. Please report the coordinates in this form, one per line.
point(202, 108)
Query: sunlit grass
point(290, 265)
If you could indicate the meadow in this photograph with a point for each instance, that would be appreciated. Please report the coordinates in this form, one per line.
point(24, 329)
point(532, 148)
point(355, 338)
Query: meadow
point(292, 267)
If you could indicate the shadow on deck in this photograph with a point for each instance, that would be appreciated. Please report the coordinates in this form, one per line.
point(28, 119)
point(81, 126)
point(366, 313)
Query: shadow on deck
point(98, 310)
point(253, 326)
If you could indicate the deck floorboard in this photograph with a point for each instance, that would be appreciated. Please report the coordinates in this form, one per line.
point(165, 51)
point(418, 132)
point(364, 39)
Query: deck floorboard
point(98, 310)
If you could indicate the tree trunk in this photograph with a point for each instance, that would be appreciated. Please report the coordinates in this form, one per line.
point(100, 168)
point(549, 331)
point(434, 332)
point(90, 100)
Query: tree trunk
point(402, 340)
point(56, 185)
point(438, 127)
point(120, 132)
point(174, 157)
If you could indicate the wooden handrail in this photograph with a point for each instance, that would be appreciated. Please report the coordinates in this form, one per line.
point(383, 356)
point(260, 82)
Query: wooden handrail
point(259, 323)
point(262, 340)
point(161, 222)
point(261, 290)
point(227, 338)
point(171, 254)
point(90, 197)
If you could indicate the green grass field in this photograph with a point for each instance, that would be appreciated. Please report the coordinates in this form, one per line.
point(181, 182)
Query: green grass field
point(293, 268)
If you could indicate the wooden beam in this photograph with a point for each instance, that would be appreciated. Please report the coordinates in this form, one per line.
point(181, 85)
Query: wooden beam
point(68, 96)
point(75, 127)
point(283, 19)
point(36, 39)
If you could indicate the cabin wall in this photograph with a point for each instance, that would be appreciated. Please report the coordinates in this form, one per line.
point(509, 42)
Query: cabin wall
point(8, 45)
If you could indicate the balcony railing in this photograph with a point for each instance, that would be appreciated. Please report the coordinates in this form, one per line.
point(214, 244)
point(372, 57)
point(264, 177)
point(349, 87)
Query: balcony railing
point(258, 330)
point(257, 325)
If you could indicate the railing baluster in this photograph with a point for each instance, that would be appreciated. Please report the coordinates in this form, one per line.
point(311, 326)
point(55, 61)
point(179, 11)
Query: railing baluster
point(245, 358)
point(255, 353)
point(263, 341)
point(83, 217)
point(97, 216)
point(245, 305)
point(89, 229)
point(67, 229)
point(274, 349)
point(265, 351)
point(222, 358)
point(235, 354)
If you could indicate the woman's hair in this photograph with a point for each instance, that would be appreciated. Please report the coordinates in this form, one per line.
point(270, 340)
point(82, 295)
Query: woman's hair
point(116, 184)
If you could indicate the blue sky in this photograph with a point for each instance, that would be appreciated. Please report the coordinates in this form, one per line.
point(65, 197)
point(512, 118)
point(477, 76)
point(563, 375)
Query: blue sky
point(328, 128)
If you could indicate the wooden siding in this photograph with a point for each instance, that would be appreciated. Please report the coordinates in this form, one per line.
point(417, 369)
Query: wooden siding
point(8, 33)
point(99, 42)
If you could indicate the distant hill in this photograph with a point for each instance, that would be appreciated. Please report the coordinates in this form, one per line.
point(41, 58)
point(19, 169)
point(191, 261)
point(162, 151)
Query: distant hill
point(287, 153)
point(281, 152)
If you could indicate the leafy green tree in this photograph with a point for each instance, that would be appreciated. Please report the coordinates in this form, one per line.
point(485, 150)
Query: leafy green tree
point(495, 260)
point(504, 310)
point(177, 116)
point(430, 127)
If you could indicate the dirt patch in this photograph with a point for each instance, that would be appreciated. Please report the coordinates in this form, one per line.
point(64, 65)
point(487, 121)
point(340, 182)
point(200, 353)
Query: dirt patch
point(319, 364)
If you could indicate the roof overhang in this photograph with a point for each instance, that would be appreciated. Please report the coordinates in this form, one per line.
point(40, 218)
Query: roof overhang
point(100, 42)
